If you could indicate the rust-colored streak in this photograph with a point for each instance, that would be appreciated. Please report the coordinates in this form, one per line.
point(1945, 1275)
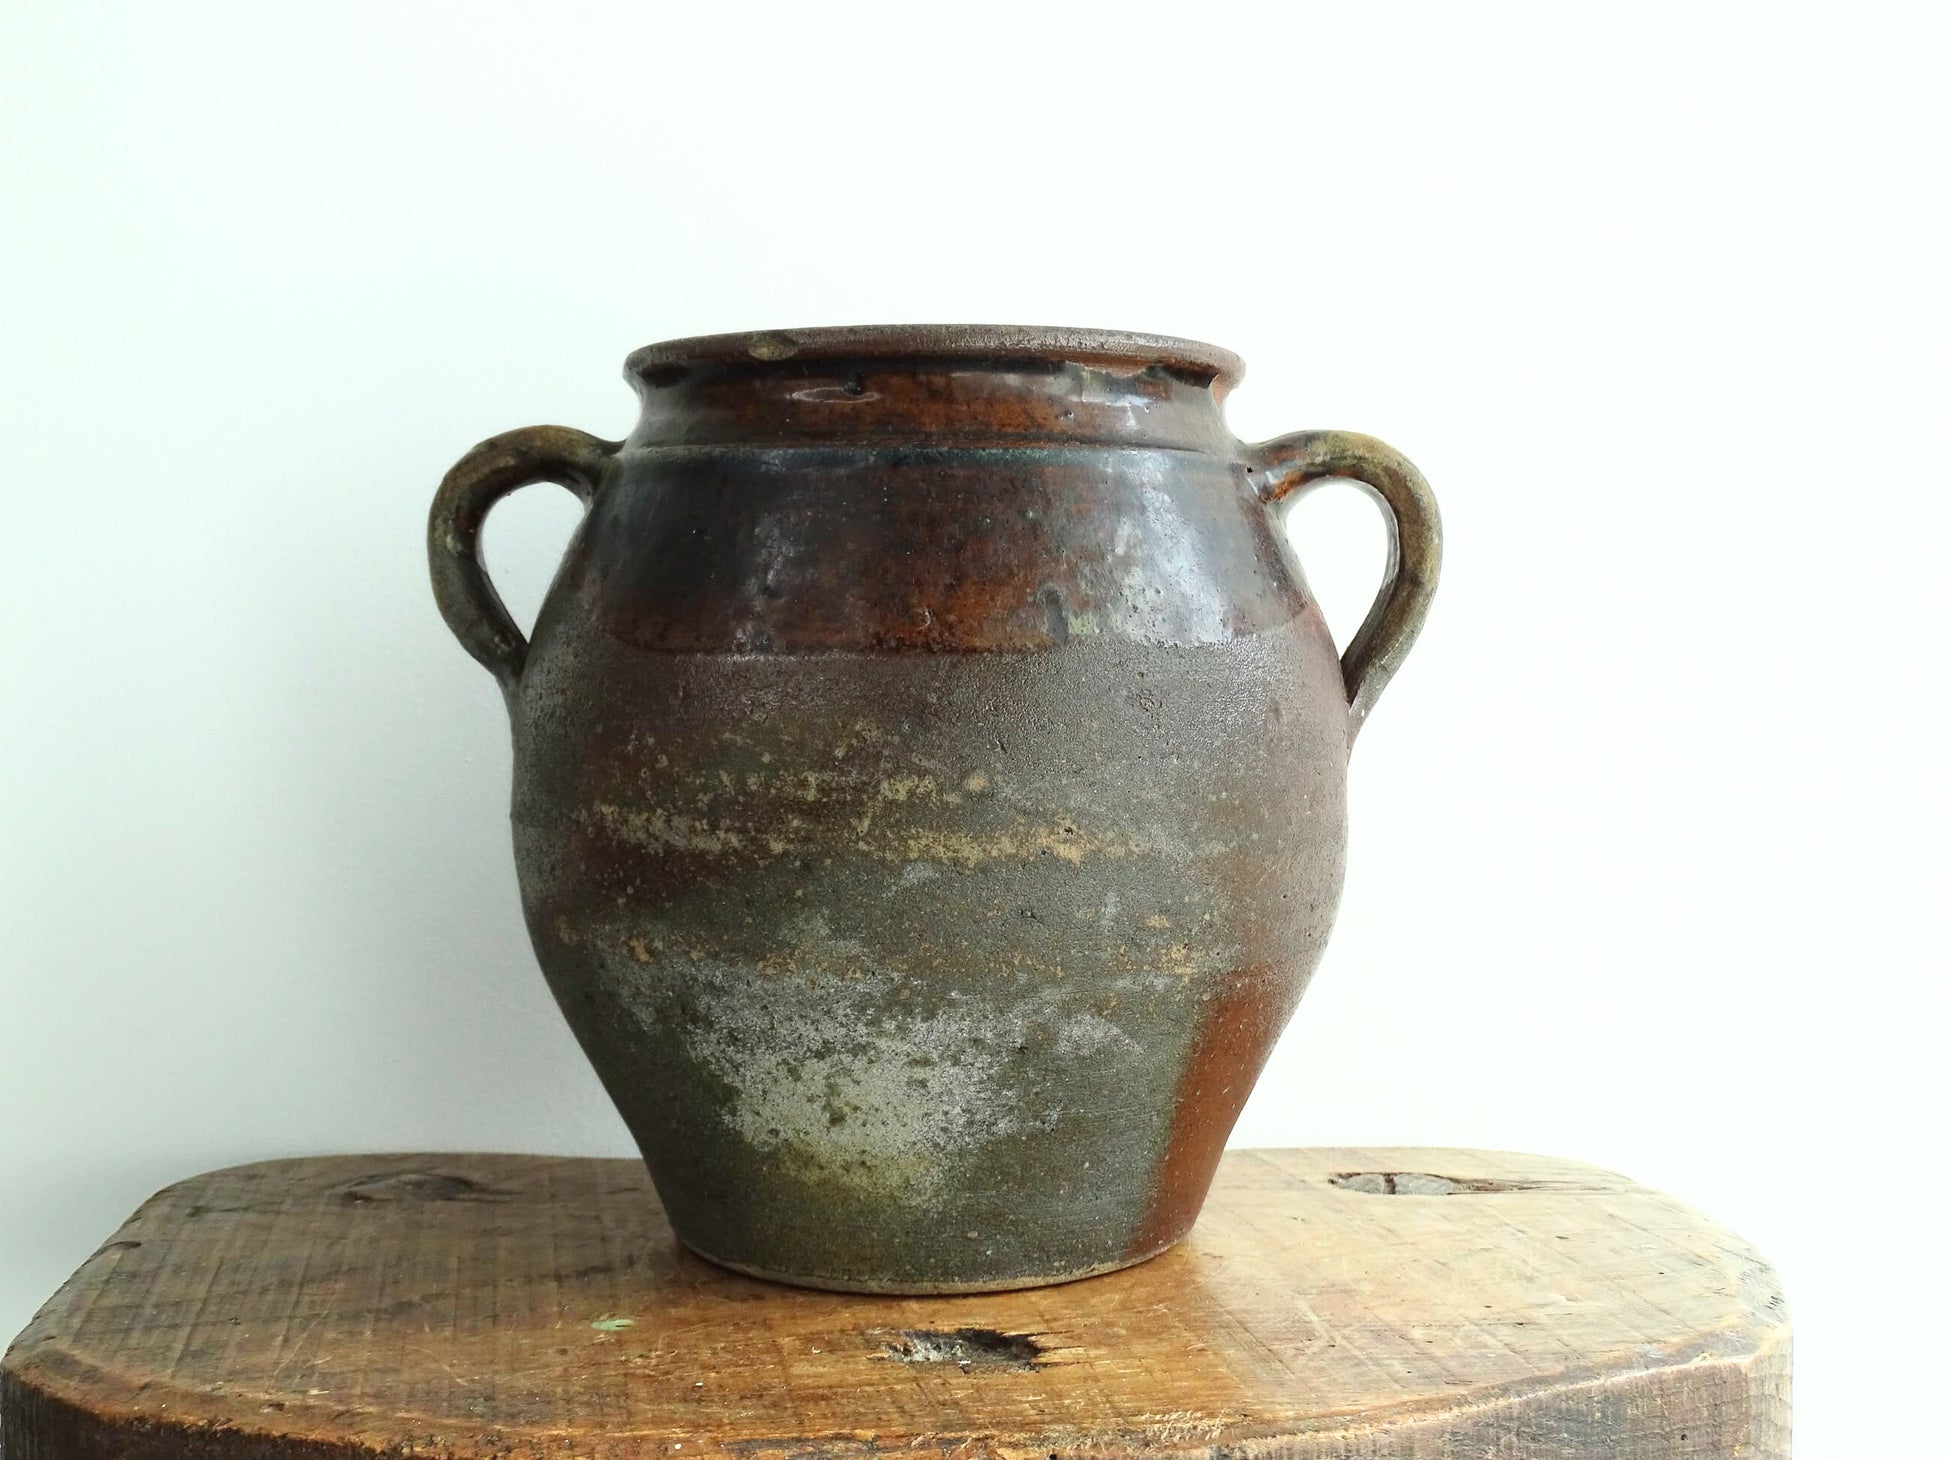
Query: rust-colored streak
point(1239, 1026)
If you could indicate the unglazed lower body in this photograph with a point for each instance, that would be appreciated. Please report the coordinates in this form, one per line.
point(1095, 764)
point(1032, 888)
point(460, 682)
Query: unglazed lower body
point(931, 972)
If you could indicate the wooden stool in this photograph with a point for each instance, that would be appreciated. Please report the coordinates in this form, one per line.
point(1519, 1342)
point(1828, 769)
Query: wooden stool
point(1330, 1303)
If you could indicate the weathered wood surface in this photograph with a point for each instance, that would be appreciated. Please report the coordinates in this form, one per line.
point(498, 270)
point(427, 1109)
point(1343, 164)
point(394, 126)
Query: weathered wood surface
point(518, 1306)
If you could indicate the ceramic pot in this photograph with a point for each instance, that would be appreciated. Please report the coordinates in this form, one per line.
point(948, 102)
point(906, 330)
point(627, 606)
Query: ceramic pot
point(929, 782)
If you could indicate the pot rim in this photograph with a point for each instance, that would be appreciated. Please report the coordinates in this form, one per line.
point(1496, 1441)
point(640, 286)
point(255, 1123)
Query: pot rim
point(1211, 364)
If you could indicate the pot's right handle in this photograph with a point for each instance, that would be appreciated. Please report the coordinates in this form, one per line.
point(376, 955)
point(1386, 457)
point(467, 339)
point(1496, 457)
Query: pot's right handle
point(1286, 468)
point(502, 464)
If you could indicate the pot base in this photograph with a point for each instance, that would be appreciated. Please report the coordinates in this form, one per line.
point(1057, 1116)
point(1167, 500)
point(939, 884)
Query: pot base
point(895, 1289)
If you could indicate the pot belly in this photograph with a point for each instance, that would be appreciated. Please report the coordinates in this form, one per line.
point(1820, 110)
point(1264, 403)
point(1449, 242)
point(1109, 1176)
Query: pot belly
point(931, 971)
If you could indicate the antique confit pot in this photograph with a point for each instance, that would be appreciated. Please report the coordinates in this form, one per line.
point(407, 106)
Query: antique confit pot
point(929, 781)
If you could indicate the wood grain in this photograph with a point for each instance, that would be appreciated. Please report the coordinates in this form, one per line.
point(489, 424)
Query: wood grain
point(1330, 1303)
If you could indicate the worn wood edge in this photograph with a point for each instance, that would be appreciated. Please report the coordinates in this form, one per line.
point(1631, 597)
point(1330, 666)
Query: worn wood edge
point(42, 1416)
point(40, 1423)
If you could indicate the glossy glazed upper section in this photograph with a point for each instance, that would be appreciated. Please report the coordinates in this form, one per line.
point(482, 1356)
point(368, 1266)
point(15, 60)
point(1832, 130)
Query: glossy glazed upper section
point(969, 384)
point(937, 549)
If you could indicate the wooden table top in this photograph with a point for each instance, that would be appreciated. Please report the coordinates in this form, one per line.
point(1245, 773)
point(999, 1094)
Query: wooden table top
point(1329, 1303)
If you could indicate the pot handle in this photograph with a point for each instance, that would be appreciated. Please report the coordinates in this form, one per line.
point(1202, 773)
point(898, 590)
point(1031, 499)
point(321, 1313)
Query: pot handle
point(1290, 466)
point(496, 467)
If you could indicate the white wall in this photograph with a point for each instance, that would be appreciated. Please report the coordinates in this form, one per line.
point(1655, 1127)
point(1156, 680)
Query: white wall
point(1645, 859)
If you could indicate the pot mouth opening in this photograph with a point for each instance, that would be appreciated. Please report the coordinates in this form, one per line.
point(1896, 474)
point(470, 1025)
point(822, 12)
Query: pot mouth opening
point(670, 361)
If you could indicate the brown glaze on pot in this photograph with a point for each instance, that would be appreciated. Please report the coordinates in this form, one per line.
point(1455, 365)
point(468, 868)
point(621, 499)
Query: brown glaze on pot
point(929, 782)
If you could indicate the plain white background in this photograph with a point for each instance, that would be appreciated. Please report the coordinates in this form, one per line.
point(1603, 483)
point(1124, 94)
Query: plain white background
point(1645, 858)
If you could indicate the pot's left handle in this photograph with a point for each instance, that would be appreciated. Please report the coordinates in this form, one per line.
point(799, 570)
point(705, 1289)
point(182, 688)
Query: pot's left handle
point(467, 598)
